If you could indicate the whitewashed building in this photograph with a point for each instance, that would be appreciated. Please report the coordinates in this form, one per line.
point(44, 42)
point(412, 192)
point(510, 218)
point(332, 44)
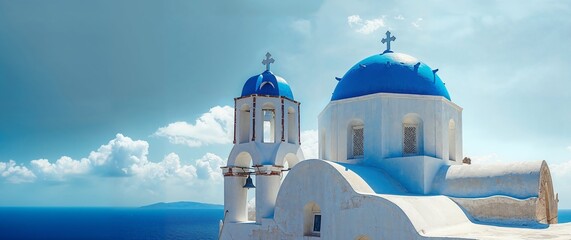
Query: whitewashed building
point(391, 165)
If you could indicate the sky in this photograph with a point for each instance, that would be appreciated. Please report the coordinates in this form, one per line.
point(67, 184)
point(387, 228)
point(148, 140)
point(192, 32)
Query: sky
point(126, 103)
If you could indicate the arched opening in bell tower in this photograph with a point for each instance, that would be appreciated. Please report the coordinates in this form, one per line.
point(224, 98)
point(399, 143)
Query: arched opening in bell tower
point(244, 124)
point(245, 162)
point(292, 126)
point(269, 123)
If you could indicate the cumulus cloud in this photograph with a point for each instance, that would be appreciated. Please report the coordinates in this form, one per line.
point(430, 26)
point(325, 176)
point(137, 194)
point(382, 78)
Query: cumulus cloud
point(213, 127)
point(169, 167)
point(208, 167)
point(309, 144)
point(561, 169)
point(354, 19)
point(365, 26)
point(14, 173)
point(120, 157)
point(62, 167)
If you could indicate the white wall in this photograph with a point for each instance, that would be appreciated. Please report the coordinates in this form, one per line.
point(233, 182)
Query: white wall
point(349, 208)
point(382, 115)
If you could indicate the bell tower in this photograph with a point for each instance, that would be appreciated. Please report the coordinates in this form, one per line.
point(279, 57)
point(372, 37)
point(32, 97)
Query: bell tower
point(266, 143)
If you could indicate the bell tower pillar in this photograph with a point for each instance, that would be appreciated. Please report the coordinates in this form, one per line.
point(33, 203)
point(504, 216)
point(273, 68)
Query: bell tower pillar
point(235, 195)
point(268, 180)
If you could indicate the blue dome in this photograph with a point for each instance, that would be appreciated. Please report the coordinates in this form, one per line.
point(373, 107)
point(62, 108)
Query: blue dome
point(267, 84)
point(389, 73)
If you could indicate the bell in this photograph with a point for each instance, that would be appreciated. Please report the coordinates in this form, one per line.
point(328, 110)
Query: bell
point(249, 184)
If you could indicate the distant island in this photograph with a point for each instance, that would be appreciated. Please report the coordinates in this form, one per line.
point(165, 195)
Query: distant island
point(184, 205)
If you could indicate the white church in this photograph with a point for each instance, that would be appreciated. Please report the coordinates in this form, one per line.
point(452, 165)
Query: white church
point(390, 165)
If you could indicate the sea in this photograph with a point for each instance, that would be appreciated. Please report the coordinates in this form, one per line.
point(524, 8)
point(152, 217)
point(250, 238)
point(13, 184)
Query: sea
point(118, 223)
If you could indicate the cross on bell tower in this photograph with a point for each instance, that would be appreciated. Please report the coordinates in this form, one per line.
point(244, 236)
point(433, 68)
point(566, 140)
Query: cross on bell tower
point(269, 60)
point(388, 40)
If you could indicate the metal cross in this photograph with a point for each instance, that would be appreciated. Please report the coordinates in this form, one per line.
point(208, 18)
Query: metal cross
point(388, 40)
point(268, 61)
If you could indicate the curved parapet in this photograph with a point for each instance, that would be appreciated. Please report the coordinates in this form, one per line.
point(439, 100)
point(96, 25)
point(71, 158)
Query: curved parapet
point(508, 186)
point(517, 180)
point(352, 203)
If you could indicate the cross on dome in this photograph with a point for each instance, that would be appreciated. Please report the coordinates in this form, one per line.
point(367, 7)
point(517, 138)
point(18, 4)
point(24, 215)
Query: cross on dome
point(269, 60)
point(388, 40)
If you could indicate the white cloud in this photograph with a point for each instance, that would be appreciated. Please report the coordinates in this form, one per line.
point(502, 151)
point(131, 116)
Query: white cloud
point(561, 169)
point(309, 144)
point(169, 167)
point(14, 173)
point(399, 17)
point(354, 19)
point(302, 26)
point(213, 127)
point(416, 23)
point(365, 26)
point(120, 157)
point(62, 167)
point(569, 148)
point(208, 167)
point(486, 159)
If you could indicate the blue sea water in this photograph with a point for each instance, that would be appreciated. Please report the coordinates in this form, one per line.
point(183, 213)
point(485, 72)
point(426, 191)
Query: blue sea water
point(108, 223)
point(564, 215)
point(118, 223)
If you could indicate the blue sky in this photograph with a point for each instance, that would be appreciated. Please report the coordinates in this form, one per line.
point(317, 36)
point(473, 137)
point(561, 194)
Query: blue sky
point(124, 103)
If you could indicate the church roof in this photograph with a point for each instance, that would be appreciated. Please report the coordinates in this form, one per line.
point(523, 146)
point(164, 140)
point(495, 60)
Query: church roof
point(389, 72)
point(267, 83)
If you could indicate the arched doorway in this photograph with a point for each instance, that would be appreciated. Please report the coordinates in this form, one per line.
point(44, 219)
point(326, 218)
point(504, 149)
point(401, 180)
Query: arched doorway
point(311, 219)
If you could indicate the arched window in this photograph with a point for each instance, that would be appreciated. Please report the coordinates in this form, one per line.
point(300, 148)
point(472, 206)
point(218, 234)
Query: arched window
point(356, 148)
point(452, 140)
point(412, 135)
point(269, 124)
point(312, 220)
point(410, 139)
point(292, 126)
point(238, 197)
point(244, 131)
